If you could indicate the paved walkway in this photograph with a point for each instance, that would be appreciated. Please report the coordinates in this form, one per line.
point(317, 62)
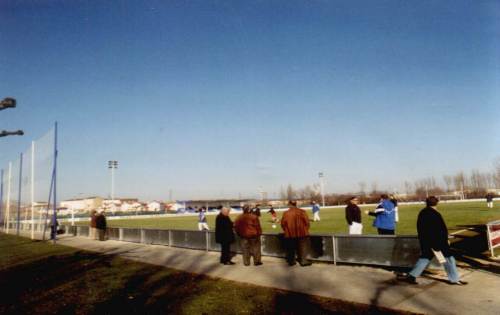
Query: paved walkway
point(351, 283)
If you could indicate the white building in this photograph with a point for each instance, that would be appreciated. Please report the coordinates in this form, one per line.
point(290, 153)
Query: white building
point(83, 204)
point(155, 206)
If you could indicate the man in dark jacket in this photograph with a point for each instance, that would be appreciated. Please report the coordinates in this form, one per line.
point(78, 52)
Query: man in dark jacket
point(101, 225)
point(433, 237)
point(247, 226)
point(224, 235)
point(295, 225)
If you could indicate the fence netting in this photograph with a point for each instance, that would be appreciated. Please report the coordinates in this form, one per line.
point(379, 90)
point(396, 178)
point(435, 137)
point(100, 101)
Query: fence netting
point(26, 187)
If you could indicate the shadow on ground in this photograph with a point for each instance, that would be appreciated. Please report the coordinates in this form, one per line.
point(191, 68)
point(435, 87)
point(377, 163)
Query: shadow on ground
point(471, 247)
point(93, 283)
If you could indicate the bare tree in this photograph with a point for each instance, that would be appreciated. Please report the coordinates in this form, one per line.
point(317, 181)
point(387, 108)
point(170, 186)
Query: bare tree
point(408, 188)
point(290, 193)
point(448, 180)
point(362, 188)
point(496, 172)
point(374, 188)
point(283, 195)
point(459, 183)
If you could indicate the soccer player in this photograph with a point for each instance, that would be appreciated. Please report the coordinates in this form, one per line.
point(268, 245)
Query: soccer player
point(315, 211)
point(202, 220)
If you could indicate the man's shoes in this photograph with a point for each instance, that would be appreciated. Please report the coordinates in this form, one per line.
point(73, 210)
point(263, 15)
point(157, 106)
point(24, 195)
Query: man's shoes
point(292, 263)
point(459, 282)
point(257, 263)
point(409, 279)
point(306, 264)
point(229, 263)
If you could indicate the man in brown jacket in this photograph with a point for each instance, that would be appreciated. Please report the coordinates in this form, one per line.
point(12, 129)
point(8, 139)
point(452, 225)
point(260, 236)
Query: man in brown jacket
point(247, 226)
point(295, 224)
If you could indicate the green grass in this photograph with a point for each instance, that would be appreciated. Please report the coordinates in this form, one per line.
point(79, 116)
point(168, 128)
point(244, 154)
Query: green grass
point(456, 216)
point(42, 278)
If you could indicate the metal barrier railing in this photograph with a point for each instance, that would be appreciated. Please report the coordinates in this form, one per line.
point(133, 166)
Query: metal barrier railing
point(382, 250)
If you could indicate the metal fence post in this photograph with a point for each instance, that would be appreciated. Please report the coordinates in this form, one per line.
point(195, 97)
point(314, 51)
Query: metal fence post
point(143, 236)
point(335, 251)
point(169, 237)
point(120, 234)
point(207, 238)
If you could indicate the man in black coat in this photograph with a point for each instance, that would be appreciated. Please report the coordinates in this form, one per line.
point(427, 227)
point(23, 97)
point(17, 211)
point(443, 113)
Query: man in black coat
point(433, 237)
point(224, 235)
point(101, 225)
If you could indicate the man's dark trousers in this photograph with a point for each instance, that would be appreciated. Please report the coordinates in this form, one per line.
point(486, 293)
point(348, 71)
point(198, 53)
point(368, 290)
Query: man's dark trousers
point(251, 247)
point(225, 254)
point(297, 247)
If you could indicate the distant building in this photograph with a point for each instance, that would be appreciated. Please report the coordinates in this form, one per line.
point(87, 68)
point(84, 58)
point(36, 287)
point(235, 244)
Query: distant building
point(83, 204)
point(155, 206)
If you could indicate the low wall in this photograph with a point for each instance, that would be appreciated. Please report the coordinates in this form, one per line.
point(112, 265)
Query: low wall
point(381, 250)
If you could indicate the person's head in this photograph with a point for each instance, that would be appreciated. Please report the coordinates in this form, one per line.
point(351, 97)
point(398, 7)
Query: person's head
point(246, 209)
point(384, 197)
point(431, 201)
point(292, 203)
point(354, 200)
point(313, 202)
point(225, 211)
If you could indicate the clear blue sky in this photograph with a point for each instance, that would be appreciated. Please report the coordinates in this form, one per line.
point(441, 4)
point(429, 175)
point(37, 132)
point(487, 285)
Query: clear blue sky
point(216, 98)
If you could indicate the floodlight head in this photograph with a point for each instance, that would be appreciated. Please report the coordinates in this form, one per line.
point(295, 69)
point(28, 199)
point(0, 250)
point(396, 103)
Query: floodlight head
point(5, 133)
point(7, 102)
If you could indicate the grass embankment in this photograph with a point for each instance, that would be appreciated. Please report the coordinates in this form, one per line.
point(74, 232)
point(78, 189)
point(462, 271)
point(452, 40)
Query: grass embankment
point(41, 278)
point(456, 215)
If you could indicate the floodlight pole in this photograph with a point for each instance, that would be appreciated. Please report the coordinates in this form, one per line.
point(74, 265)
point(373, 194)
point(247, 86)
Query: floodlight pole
point(112, 165)
point(9, 180)
point(19, 193)
point(321, 176)
point(1, 196)
point(32, 189)
point(55, 184)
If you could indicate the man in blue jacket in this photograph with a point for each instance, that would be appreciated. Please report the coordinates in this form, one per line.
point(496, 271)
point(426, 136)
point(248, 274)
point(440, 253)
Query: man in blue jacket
point(385, 216)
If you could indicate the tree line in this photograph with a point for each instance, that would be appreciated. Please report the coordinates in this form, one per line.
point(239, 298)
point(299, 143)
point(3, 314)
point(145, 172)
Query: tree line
point(461, 185)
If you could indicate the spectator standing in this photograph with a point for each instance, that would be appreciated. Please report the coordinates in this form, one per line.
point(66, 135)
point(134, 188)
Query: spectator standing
point(93, 230)
point(385, 220)
point(247, 226)
point(295, 225)
point(433, 237)
point(353, 216)
point(489, 200)
point(315, 211)
point(101, 225)
point(202, 220)
point(224, 235)
point(53, 227)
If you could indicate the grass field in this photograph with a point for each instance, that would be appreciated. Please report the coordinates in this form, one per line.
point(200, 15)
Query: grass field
point(456, 215)
point(41, 278)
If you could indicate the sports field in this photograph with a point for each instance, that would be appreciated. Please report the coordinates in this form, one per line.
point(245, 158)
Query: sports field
point(457, 216)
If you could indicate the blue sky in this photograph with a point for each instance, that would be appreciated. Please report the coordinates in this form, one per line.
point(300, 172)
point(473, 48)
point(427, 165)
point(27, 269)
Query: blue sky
point(217, 98)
